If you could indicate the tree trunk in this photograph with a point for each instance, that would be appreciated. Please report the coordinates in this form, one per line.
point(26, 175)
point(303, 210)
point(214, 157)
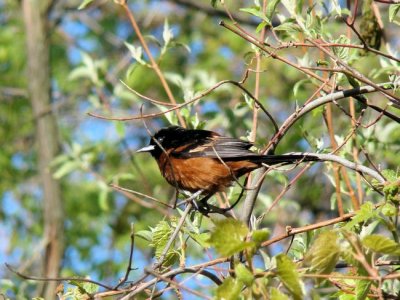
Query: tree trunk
point(39, 85)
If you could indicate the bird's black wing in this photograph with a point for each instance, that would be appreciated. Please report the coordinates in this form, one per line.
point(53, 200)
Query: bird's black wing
point(217, 147)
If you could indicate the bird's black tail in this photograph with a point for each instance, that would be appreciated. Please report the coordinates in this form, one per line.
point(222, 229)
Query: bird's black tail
point(283, 159)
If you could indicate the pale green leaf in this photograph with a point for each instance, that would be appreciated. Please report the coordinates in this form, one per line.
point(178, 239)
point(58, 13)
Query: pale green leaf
point(277, 294)
point(287, 272)
point(145, 234)
point(362, 289)
point(260, 235)
point(229, 290)
point(84, 4)
point(289, 27)
point(365, 213)
point(160, 236)
point(244, 275)
point(167, 33)
point(228, 237)
point(393, 10)
point(256, 12)
point(381, 244)
point(136, 53)
point(201, 238)
point(324, 253)
point(299, 84)
point(103, 201)
point(66, 168)
point(120, 128)
point(80, 72)
point(270, 9)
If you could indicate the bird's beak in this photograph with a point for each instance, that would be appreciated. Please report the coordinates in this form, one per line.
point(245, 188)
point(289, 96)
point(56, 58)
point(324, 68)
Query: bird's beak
point(146, 149)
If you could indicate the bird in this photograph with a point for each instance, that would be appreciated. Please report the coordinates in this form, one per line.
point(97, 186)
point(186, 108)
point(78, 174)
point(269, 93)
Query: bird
point(205, 162)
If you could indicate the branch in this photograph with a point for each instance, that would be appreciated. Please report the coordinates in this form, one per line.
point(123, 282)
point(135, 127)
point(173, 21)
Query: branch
point(172, 282)
point(348, 164)
point(251, 197)
point(129, 268)
point(153, 62)
point(35, 278)
point(137, 289)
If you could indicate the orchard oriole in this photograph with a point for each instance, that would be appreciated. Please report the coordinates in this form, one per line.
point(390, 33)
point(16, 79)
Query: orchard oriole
point(205, 162)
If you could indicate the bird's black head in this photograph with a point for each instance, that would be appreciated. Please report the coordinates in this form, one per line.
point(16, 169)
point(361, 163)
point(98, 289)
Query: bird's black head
point(174, 137)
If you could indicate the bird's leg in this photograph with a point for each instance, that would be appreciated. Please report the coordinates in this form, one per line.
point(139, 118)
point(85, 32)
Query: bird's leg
point(215, 209)
point(176, 199)
point(238, 199)
point(202, 206)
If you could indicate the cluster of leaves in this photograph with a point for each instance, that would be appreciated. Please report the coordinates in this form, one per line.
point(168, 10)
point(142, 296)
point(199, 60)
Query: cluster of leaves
point(352, 245)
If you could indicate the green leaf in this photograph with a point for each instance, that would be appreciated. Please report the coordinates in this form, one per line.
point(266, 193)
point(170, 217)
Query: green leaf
point(381, 244)
point(256, 12)
point(261, 26)
point(260, 235)
point(365, 213)
point(84, 4)
point(136, 53)
point(80, 72)
point(145, 234)
point(270, 9)
point(324, 252)
point(298, 84)
point(244, 275)
point(289, 27)
point(167, 33)
point(287, 273)
point(103, 195)
point(277, 294)
point(120, 128)
point(170, 116)
point(66, 168)
point(388, 209)
point(229, 290)
point(161, 234)
point(201, 238)
point(342, 52)
point(362, 289)
point(393, 10)
point(228, 235)
point(392, 191)
point(84, 288)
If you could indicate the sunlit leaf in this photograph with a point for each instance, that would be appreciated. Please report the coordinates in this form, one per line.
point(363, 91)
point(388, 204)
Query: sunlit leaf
point(324, 252)
point(381, 244)
point(229, 290)
point(84, 4)
point(228, 237)
point(277, 294)
point(289, 276)
point(244, 275)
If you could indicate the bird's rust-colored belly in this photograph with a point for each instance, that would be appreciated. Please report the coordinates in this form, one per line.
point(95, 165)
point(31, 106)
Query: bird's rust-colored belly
point(199, 173)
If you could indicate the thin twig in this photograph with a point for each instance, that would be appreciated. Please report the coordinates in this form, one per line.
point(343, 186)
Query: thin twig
point(170, 281)
point(153, 62)
point(174, 234)
point(129, 268)
point(36, 278)
point(137, 289)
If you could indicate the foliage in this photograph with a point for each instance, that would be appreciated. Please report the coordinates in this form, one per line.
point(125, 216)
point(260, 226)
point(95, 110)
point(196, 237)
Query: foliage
point(107, 73)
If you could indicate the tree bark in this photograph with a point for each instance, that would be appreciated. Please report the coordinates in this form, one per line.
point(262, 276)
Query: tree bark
point(39, 86)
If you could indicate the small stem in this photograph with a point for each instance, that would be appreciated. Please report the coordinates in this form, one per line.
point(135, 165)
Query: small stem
point(154, 64)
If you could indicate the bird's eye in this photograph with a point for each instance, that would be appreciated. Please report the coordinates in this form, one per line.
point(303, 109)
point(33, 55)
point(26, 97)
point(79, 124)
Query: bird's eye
point(160, 139)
